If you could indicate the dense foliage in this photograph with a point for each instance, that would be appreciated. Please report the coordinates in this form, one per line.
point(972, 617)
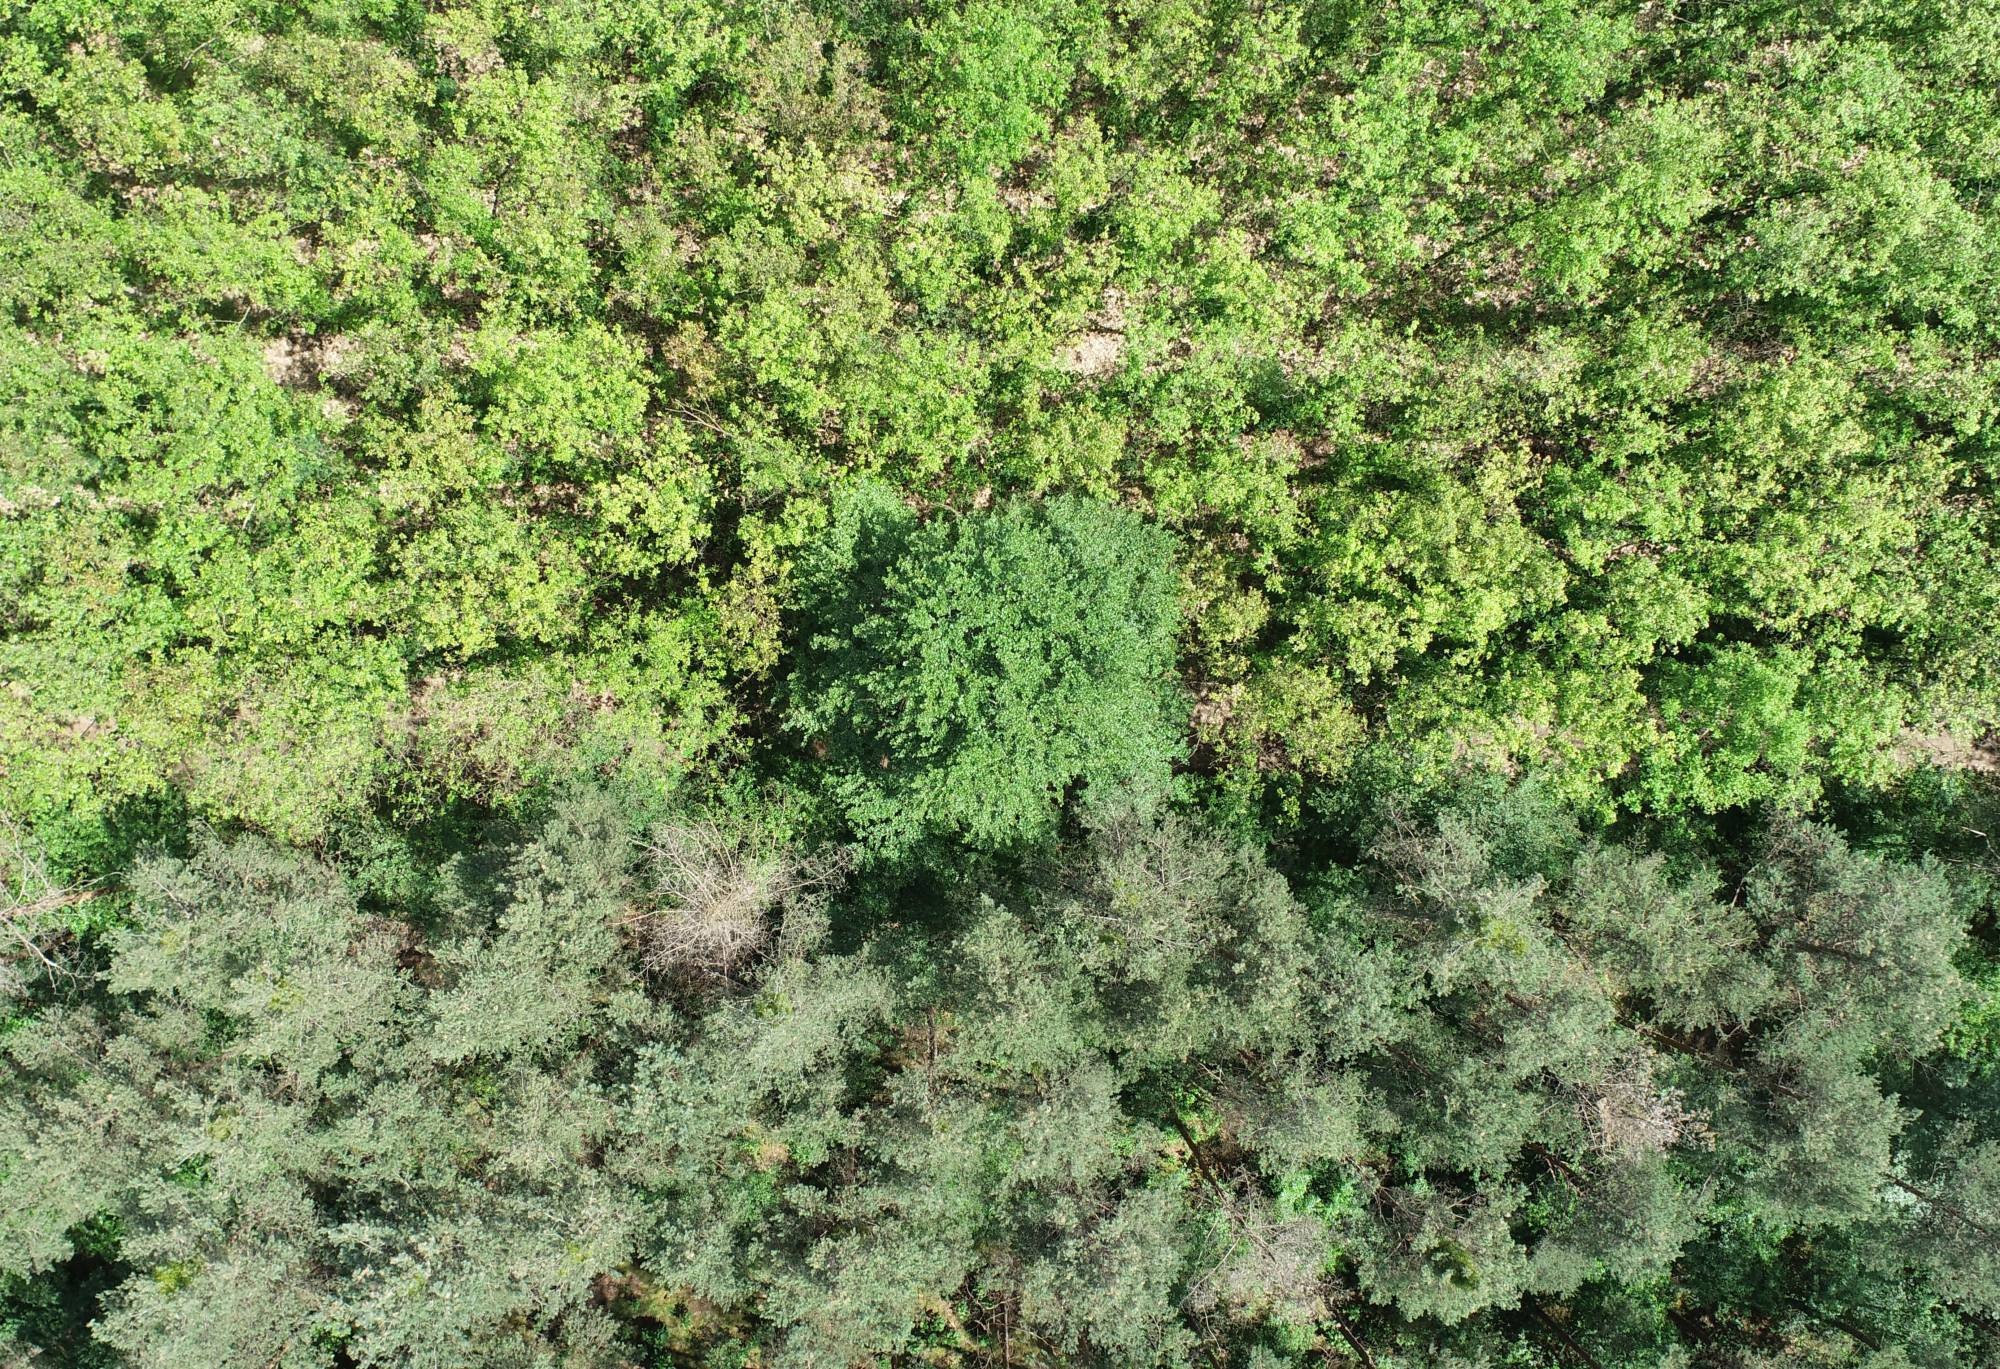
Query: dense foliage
point(706, 682)
point(965, 674)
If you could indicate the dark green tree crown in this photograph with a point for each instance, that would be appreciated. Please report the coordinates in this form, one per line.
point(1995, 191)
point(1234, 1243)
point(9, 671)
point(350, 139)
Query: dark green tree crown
point(963, 675)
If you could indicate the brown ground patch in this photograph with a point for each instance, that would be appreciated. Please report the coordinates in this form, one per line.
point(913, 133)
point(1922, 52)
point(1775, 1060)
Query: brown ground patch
point(1093, 354)
point(1951, 752)
point(300, 361)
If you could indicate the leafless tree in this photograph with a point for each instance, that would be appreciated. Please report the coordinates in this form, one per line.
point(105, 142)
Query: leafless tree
point(715, 897)
point(29, 898)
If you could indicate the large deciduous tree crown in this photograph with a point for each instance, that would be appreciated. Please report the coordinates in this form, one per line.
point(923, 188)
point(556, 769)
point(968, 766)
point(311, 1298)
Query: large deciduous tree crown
point(964, 674)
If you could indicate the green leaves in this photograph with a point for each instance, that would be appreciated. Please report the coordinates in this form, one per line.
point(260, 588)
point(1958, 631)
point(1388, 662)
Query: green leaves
point(1093, 457)
point(960, 677)
point(1128, 1087)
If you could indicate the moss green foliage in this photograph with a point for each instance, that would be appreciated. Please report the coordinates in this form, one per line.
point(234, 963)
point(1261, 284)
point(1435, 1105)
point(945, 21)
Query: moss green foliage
point(1137, 1097)
point(999, 683)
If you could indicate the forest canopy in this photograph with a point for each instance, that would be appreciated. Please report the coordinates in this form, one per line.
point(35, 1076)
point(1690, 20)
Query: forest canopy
point(708, 683)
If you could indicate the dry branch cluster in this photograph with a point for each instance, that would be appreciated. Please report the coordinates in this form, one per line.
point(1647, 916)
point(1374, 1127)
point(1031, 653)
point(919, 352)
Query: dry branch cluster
point(715, 897)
